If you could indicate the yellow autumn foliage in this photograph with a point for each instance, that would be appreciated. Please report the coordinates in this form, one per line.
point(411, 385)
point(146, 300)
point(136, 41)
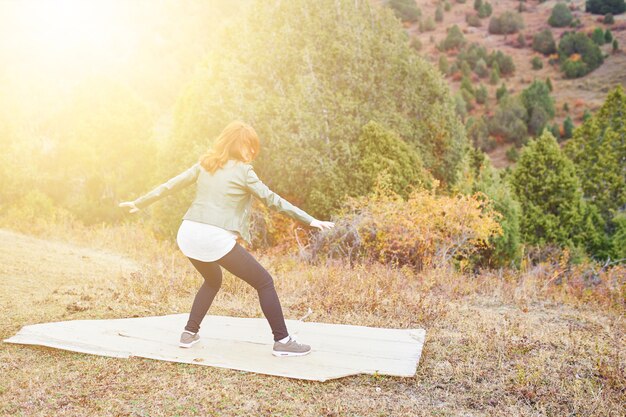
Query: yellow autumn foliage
point(575, 57)
point(426, 230)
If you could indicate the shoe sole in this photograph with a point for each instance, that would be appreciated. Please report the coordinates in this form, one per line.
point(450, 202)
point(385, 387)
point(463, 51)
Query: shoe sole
point(281, 353)
point(186, 345)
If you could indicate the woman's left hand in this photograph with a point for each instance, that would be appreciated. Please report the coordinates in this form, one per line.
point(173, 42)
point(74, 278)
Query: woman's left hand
point(130, 204)
point(322, 225)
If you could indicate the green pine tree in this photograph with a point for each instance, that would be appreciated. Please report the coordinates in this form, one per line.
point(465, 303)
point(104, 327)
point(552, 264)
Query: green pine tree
point(438, 14)
point(549, 84)
point(539, 106)
point(466, 84)
point(490, 181)
point(556, 131)
point(501, 92)
point(598, 152)
point(444, 66)
point(550, 194)
point(382, 149)
point(494, 76)
point(568, 127)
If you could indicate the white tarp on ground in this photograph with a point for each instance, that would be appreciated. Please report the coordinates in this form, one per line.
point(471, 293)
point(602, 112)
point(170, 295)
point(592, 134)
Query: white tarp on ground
point(337, 350)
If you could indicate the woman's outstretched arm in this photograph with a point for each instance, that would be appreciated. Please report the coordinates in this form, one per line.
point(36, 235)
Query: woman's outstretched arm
point(255, 186)
point(180, 181)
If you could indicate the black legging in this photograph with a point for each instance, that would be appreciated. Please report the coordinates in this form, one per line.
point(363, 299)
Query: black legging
point(241, 263)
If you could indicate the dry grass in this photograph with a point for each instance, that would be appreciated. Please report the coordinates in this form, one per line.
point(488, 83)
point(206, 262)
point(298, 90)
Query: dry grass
point(500, 343)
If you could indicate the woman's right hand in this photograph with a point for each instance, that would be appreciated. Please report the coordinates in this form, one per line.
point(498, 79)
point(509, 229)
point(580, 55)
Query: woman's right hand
point(130, 204)
point(322, 225)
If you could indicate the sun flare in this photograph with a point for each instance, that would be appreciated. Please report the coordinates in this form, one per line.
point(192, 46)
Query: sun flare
point(66, 36)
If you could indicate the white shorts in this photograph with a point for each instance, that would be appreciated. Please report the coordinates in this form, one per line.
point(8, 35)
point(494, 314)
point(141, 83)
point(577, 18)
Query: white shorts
point(204, 242)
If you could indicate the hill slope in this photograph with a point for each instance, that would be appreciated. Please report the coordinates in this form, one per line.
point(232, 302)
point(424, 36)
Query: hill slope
point(497, 345)
point(585, 93)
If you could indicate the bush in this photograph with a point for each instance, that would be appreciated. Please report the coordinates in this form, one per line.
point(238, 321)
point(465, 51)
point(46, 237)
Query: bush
point(608, 19)
point(504, 62)
point(608, 36)
point(466, 84)
point(491, 181)
point(427, 25)
point(615, 45)
point(556, 131)
point(543, 42)
point(574, 68)
point(443, 64)
point(576, 23)
point(485, 10)
point(501, 92)
point(472, 53)
point(438, 14)
point(406, 10)
point(618, 240)
point(605, 6)
point(494, 75)
point(477, 4)
point(537, 63)
point(454, 39)
point(568, 128)
point(481, 68)
point(481, 94)
point(472, 20)
point(478, 133)
point(460, 106)
point(509, 120)
point(433, 230)
point(537, 121)
point(521, 40)
point(507, 23)
point(454, 68)
point(561, 16)
point(539, 106)
point(578, 54)
point(466, 70)
point(512, 154)
point(468, 98)
point(447, 6)
point(553, 59)
point(598, 36)
point(34, 210)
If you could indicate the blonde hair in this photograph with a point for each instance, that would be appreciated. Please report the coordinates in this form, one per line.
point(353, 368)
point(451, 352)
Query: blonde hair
point(229, 145)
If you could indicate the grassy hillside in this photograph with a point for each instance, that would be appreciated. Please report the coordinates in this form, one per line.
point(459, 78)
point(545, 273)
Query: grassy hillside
point(546, 338)
point(537, 342)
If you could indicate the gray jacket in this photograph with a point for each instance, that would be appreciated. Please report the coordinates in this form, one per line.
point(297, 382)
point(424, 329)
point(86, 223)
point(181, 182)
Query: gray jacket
point(224, 198)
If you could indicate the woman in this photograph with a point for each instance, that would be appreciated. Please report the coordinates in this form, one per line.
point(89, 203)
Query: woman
point(218, 216)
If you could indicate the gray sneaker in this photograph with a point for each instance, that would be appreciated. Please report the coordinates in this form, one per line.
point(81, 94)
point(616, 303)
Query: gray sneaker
point(188, 339)
point(291, 348)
